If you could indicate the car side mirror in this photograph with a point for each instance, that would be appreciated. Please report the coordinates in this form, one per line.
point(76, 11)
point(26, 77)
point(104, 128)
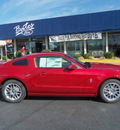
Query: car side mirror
point(72, 67)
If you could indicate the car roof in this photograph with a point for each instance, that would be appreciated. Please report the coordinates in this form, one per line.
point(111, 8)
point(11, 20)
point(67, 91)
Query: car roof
point(38, 54)
point(35, 54)
point(41, 53)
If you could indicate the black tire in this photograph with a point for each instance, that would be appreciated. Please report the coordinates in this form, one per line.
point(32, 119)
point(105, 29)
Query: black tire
point(13, 91)
point(110, 91)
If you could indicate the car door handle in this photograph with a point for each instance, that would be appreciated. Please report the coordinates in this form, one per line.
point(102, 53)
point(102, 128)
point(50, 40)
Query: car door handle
point(42, 73)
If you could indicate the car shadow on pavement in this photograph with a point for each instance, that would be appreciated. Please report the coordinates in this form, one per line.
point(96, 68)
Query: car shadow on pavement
point(64, 98)
point(59, 98)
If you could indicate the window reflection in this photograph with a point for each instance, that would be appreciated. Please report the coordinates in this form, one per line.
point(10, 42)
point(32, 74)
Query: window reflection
point(114, 43)
point(75, 47)
point(96, 45)
point(57, 46)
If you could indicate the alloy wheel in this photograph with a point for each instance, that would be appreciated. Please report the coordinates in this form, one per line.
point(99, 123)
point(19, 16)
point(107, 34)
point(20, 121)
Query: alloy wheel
point(112, 91)
point(13, 91)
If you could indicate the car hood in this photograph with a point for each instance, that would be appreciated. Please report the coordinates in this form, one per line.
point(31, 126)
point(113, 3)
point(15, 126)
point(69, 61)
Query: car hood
point(102, 66)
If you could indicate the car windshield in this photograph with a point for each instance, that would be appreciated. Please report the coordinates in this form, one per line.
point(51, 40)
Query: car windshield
point(79, 62)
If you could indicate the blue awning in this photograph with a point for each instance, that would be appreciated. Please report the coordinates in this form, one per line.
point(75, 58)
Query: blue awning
point(86, 23)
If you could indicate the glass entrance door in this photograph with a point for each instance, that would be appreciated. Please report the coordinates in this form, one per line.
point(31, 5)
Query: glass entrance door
point(35, 46)
point(38, 45)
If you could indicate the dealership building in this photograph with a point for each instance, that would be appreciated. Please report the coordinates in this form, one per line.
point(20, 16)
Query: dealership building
point(94, 33)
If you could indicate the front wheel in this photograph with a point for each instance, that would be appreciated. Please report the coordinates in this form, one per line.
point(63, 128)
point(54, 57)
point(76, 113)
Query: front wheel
point(13, 91)
point(110, 91)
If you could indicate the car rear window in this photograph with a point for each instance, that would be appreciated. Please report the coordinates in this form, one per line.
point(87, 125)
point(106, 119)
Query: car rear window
point(23, 62)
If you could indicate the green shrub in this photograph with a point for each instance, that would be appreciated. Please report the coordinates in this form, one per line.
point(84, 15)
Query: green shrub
point(10, 57)
point(18, 54)
point(81, 58)
point(76, 56)
point(92, 57)
point(4, 58)
point(109, 55)
point(46, 50)
point(102, 58)
point(87, 55)
point(114, 58)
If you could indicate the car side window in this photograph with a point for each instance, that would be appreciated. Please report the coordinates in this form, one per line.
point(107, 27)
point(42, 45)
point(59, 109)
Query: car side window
point(51, 62)
point(65, 63)
point(23, 62)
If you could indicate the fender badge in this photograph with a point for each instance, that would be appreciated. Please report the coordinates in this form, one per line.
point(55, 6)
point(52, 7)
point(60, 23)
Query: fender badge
point(91, 80)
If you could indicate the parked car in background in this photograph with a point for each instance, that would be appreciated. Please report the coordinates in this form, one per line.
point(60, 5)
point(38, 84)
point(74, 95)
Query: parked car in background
point(57, 74)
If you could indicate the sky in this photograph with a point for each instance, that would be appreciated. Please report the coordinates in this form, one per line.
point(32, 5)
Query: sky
point(12, 11)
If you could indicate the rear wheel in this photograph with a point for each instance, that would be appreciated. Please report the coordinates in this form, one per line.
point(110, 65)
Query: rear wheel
point(13, 91)
point(110, 91)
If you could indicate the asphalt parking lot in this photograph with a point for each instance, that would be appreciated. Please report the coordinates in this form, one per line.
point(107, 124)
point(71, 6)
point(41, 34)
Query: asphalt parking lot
point(48, 113)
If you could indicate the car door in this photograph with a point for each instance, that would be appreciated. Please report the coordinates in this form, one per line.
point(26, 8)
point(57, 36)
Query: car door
point(53, 76)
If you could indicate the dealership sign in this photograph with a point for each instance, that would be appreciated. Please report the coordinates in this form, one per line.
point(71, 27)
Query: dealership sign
point(75, 37)
point(26, 29)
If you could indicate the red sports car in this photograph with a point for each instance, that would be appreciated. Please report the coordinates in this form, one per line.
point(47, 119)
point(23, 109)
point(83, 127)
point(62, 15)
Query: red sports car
point(57, 74)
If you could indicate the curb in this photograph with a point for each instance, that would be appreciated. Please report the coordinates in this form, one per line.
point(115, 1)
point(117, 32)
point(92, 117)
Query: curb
point(116, 62)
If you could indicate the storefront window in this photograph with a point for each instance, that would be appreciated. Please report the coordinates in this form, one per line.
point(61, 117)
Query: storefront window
point(96, 45)
point(75, 47)
point(114, 43)
point(33, 46)
point(21, 43)
point(10, 49)
point(57, 46)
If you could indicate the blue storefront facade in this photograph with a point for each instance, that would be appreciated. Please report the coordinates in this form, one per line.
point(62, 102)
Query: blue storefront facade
point(87, 33)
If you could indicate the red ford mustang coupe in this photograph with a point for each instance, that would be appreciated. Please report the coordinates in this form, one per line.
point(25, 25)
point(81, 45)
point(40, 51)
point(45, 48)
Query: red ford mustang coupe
point(57, 74)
